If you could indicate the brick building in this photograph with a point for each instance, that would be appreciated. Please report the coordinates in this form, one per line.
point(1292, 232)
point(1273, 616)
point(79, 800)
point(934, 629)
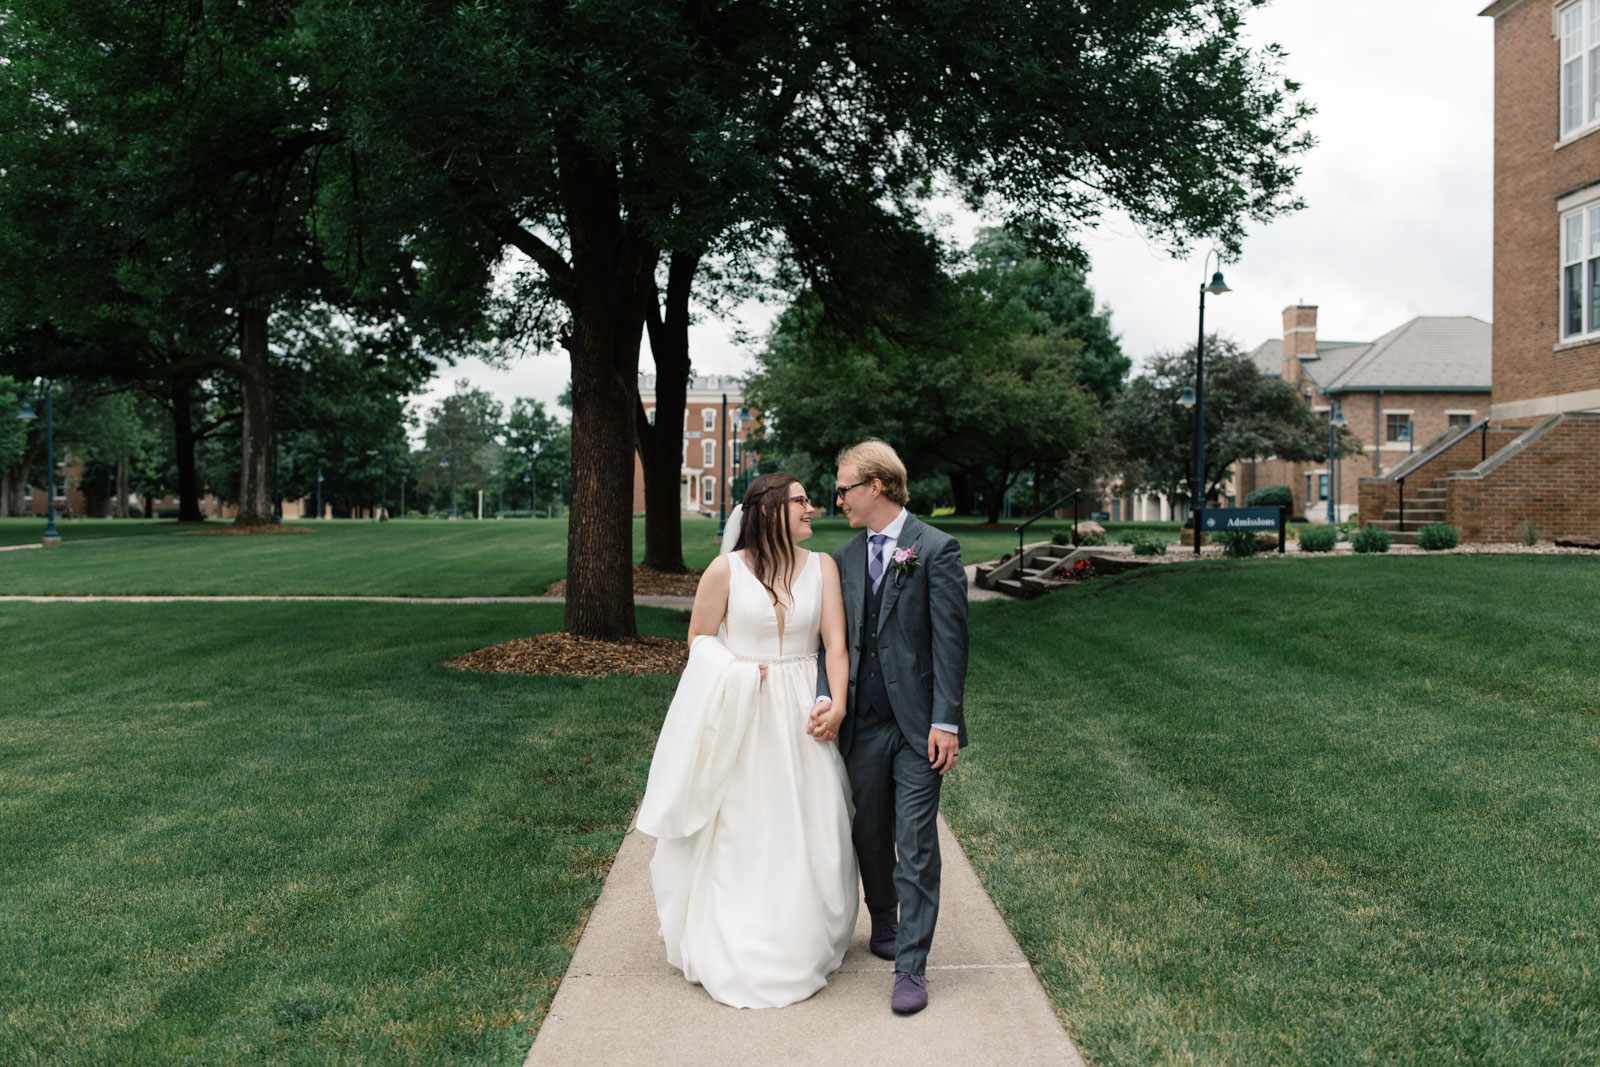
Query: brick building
point(1401, 392)
point(1534, 464)
point(714, 453)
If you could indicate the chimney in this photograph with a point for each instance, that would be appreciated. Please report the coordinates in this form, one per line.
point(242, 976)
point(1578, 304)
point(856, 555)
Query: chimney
point(1299, 339)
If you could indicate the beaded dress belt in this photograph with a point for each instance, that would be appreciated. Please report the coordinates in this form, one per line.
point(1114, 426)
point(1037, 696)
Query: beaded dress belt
point(770, 660)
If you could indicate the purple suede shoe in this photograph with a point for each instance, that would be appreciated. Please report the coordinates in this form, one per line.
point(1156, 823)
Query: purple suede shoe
point(883, 940)
point(910, 993)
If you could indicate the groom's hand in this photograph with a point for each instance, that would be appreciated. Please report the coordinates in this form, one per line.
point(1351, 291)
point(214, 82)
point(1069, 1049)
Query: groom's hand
point(943, 748)
point(814, 722)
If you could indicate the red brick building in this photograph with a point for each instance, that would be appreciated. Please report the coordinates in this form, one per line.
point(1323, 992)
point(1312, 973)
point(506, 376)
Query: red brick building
point(1399, 393)
point(714, 452)
point(1534, 465)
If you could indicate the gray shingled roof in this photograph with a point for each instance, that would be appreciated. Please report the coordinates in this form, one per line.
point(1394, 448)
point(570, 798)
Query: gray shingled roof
point(1429, 352)
point(1268, 355)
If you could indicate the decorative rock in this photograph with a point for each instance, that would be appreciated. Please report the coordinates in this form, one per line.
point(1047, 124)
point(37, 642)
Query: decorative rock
point(1269, 541)
point(1090, 529)
point(1578, 541)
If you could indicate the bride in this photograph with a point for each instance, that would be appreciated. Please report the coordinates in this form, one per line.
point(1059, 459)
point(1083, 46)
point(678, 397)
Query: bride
point(755, 877)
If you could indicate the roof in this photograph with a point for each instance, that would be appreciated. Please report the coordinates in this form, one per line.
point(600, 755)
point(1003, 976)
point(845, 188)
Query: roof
point(1268, 355)
point(1429, 353)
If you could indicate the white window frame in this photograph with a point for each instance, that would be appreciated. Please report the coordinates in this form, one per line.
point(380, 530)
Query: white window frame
point(708, 419)
point(708, 453)
point(685, 454)
point(1577, 32)
point(1471, 415)
point(708, 491)
point(1578, 283)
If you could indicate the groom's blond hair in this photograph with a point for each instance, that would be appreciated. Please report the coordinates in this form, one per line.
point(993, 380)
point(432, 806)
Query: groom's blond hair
point(873, 458)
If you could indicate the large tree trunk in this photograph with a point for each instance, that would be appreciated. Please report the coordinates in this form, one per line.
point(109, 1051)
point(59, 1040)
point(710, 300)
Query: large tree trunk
point(255, 437)
point(183, 440)
point(612, 278)
point(661, 445)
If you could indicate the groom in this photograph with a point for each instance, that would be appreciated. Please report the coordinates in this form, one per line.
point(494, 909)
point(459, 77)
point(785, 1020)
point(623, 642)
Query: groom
point(905, 601)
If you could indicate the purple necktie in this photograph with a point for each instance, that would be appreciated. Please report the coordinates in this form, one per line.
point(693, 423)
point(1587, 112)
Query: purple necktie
point(875, 561)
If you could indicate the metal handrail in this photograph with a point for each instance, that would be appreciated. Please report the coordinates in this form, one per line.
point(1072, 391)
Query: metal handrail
point(1411, 466)
point(1072, 496)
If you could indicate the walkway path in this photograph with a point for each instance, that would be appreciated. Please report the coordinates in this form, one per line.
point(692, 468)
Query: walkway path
point(622, 1004)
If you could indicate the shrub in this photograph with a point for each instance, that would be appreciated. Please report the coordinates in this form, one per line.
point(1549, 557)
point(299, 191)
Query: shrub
point(1298, 518)
point(135, 511)
point(1091, 540)
point(1062, 538)
point(1319, 539)
point(1149, 548)
point(1437, 536)
point(1271, 496)
point(1371, 539)
point(1528, 533)
point(1238, 543)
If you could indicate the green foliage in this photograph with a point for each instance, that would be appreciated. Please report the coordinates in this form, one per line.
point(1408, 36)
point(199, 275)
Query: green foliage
point(1528, 533)
point(1248, 415)
point(1062, 537)
point(1371, 539)
point(1437, 536)
point(1142, 547)
point(1091, 540)
point(1319, 539)
point(13, 431)
point(1271, 496)
point(1238, 543)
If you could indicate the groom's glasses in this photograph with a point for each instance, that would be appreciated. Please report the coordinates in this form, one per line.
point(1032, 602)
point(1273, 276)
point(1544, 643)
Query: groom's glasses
point(842, 490)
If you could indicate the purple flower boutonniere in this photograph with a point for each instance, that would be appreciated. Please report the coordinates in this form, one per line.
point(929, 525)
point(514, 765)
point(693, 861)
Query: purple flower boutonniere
point(904, 561)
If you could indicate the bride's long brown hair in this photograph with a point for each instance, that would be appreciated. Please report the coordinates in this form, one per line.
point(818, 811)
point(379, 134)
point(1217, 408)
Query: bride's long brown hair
point(764, 532)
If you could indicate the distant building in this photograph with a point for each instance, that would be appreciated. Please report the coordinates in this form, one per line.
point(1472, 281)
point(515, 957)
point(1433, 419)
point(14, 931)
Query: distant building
point(715, 459)
point(1399, 393)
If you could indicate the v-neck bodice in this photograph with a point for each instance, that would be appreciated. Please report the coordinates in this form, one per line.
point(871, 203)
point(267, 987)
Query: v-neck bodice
point(753, 619)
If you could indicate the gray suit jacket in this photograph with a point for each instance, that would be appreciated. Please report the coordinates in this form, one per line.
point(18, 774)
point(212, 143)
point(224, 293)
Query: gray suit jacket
point(922, 633)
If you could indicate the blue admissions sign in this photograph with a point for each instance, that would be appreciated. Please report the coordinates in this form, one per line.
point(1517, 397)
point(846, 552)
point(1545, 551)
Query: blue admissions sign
point(1243, 518)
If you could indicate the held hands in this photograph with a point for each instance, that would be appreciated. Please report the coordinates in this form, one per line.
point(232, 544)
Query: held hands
point(823, 722)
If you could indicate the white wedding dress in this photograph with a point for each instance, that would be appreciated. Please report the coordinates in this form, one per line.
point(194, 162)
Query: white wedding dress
point(755, 877)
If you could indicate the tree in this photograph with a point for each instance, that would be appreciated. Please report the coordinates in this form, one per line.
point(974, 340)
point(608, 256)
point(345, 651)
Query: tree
point(597, 139)
point(460, 442)
point(1248, 416)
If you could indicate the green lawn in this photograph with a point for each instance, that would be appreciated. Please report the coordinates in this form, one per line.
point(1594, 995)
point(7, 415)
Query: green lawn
point(284, 833)
point(417, 557)
point(1272, 811)
point(1328, 811)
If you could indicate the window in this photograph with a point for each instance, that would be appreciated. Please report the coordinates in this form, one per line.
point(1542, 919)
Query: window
point(1309, 497)
point(650, 416)
point(708, 489)
point(1397, 426)
point(708, 453)
point(1580, 65)
point(1460, 420)
point(708, 419)
point(1580, 271)
point(1322, 487)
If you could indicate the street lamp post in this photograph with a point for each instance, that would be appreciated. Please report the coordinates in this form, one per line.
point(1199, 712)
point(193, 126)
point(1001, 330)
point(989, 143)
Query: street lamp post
point(1197, 399)
point(451, 463)
point(1336, 419)
point(319, 492)
point(51, 537)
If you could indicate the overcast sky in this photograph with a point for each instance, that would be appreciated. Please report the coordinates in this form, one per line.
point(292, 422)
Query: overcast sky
point(1397, 222)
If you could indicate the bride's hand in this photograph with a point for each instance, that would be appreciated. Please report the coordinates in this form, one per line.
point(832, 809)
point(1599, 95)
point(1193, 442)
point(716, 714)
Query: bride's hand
point(823, 725)
point(762, 667)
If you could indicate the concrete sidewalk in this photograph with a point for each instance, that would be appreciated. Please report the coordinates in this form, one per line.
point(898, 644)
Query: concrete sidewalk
point(622, 1004)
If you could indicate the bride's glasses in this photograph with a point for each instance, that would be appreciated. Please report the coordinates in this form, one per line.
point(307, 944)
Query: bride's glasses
point(803, 501)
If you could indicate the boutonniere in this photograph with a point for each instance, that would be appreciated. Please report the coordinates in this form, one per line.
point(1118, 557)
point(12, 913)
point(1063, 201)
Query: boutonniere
point(904, 561)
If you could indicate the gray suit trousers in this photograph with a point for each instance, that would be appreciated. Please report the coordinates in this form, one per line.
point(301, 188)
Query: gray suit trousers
point(897, 804)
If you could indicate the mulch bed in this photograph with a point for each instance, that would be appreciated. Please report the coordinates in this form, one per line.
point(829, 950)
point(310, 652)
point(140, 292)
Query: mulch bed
point(586, 657)
point(647, 581)
point(273, 529)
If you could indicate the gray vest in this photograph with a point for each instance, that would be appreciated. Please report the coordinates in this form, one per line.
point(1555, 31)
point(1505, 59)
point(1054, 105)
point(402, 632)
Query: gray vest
point(872, 695)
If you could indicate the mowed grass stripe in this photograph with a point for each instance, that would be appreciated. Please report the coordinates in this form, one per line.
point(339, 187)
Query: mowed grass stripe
point(286, 833)
point(1329, 811)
